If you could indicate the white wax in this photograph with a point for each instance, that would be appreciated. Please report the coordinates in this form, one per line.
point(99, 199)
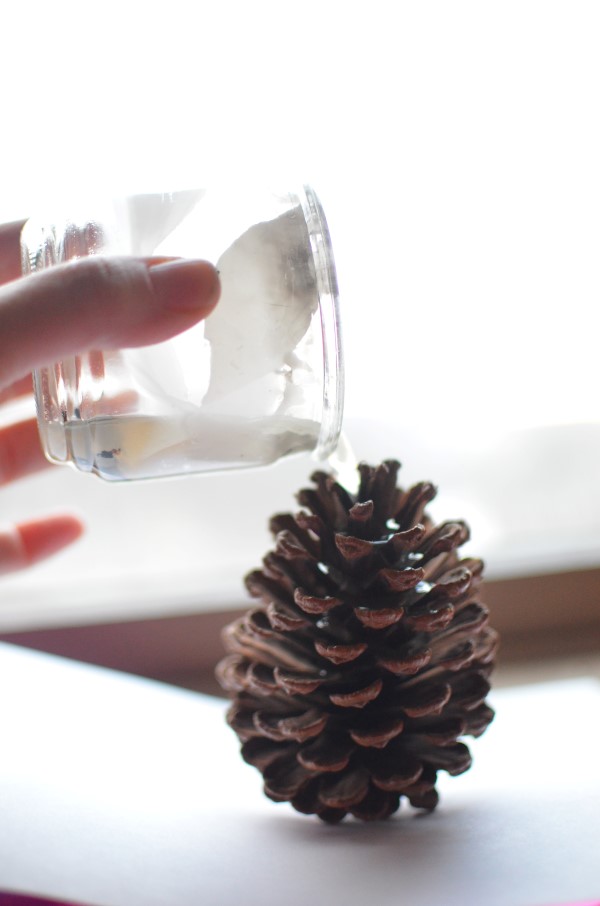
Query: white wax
point(268, 297)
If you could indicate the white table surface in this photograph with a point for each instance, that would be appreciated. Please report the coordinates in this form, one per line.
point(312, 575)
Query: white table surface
point(118, 791)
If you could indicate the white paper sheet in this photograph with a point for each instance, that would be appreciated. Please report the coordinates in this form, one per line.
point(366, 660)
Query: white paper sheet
point(117, 791)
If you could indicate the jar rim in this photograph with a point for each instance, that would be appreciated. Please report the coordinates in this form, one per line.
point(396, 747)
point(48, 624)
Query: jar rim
point(329, 312)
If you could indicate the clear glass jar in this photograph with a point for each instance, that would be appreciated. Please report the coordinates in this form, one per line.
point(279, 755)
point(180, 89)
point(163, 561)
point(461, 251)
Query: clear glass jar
point(260, 378)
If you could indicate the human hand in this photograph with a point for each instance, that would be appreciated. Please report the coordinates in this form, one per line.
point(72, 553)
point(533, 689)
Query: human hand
point(95, 302)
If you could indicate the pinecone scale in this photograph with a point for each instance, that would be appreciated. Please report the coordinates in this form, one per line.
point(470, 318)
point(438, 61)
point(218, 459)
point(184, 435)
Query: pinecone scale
point(367, 659)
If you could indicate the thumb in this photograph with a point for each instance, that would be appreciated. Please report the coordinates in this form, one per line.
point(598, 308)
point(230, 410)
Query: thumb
point(102, 303)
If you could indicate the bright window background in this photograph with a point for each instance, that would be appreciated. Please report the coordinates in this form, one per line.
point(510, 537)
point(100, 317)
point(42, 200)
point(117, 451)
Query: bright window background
point(456, 149)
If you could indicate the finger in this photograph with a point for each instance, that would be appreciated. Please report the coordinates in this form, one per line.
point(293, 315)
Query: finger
point(102, 303)
point(10, 250)
point(22, 387)
point(25, 544)
point(20, 451)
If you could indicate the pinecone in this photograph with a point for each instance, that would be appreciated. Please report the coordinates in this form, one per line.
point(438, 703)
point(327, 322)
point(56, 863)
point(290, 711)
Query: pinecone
point(369, 655)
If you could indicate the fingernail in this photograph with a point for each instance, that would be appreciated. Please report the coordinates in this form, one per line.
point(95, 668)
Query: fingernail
point(185, 285)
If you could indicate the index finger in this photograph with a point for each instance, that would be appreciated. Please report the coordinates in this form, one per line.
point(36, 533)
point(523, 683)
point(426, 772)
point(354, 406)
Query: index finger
point(10, 250)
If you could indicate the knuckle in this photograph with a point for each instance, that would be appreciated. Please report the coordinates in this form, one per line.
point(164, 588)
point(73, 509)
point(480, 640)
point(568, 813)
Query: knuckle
point(98, 279)
point(106, 288)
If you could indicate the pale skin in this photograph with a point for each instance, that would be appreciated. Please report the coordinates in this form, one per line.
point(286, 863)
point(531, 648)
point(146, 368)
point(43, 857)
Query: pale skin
point(92, 303)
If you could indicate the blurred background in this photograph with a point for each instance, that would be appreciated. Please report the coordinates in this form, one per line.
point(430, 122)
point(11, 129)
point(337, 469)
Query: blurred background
point(455, 148)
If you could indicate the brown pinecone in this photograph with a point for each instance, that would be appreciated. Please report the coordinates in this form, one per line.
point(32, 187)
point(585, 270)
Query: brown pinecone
point(369, 655)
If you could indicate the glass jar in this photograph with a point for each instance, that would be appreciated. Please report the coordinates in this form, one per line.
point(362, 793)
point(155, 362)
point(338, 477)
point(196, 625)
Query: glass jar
point(260, 378)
